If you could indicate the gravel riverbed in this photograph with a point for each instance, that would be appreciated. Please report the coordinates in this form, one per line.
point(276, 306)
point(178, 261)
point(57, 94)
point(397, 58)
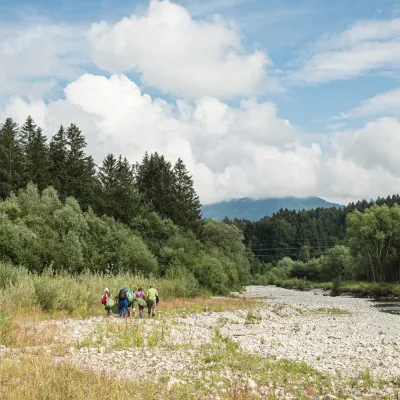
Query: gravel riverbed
point(342, 336)
point(345, 344)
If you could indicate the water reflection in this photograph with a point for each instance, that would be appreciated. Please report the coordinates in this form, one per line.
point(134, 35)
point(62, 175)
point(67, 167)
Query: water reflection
point(390, 306)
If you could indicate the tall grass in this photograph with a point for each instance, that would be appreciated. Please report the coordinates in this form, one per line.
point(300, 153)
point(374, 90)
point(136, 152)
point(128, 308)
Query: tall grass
point(356, 288)
point(62, 292)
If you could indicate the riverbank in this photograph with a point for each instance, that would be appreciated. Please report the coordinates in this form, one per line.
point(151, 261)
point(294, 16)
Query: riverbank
point(274, 344)
point(351, 288)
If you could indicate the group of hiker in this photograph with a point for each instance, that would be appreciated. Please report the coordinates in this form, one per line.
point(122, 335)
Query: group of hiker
point(127, 299)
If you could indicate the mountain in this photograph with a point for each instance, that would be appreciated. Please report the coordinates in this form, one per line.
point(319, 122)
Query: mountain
point(254, 210)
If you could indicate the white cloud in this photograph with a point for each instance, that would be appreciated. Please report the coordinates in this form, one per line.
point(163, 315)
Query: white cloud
point(366, 46)
point(231, 151)
point(33, 58)
point(244, 151)
point(177, 54)
point(375, 145)
point(387, 103)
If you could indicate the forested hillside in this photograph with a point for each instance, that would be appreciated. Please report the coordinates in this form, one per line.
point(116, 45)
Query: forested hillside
point(254, 210)
point(60, 210)
point(359, 242)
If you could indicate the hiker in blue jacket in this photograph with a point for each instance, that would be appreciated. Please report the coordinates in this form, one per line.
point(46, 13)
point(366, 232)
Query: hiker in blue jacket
point(123, 302)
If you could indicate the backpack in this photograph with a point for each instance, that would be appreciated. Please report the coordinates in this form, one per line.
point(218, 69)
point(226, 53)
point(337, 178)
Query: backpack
point(130, 295)
point(109, 303)
point(142, 302)
point(122, 294)
point(104, 299)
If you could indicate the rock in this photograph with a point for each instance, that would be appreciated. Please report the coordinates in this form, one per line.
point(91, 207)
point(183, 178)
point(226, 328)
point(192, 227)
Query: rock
point(251, 384)
point(173, 381)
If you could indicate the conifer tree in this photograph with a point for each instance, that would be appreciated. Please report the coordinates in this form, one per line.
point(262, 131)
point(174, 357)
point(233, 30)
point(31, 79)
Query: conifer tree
point(170, 190)
point(188, 211)
point(81, 170)
point(37, 160)
point(119, 194)
point(58, 154)
point(11, 159)
point(155, 178)
point(27, 133)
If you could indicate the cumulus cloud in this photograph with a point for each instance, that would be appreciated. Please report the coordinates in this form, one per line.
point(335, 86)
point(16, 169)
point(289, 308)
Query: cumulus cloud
point(33, 58)
point(177, 54)
point(243, 151)
point(387, 103)
point(364, 47)
point(231, 151)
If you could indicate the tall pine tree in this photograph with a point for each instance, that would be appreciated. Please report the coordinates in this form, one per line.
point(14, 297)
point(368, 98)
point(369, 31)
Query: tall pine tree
point(58, 154)
point(81, 180)
point(11, 159)
point(37, 160)
point(120, 197)
point(156, 180)
point(187, 201)
point(169, 190)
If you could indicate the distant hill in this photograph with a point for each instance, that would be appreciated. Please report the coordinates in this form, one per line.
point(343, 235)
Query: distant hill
point(254, 210)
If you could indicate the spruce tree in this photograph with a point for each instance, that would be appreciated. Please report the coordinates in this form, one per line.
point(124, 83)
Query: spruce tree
point(58, 154)
point(188, 211)
point(108, 181)
point(27, 133)
point(37, 160)
point(11, 159)
point(170, 190)
point(155, 178)
point(120, 197)
point(81, 179)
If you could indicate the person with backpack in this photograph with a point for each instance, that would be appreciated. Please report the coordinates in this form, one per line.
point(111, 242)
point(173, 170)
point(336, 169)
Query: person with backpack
point(152, 300)
point(141, 301)
point(131, 301)
point(123, 302)
point(107, 301)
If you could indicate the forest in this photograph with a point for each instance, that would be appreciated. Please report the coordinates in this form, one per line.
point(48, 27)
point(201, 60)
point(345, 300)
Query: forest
point(60, 211)
point(358, 242)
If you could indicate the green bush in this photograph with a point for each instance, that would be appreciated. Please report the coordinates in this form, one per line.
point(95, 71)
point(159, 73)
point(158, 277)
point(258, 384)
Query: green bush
point(44, 234)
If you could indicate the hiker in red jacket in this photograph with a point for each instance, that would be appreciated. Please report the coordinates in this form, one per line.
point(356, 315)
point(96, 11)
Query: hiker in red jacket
point(107, 295)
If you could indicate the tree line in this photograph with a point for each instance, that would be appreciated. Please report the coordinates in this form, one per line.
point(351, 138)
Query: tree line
point(360, 241)
point(60, 210)
point(115, 188)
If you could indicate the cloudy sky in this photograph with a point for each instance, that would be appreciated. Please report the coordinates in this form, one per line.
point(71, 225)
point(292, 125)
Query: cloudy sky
point(261, 98)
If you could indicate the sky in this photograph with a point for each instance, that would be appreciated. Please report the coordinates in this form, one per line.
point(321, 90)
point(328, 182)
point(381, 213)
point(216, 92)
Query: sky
point(260, 98)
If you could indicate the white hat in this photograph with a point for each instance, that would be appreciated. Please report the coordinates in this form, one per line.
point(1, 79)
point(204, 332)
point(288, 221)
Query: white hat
point(106, 290)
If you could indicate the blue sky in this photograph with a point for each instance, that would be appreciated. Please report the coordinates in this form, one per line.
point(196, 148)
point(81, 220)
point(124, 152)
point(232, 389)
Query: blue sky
point(309, 61)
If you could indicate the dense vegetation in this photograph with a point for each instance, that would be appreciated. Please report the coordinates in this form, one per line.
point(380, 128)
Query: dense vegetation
point(62, 212)
point(256, 209)
point(357, 242)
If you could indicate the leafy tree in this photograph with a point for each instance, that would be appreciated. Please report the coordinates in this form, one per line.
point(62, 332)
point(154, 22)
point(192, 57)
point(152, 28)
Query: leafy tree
point(374, 235)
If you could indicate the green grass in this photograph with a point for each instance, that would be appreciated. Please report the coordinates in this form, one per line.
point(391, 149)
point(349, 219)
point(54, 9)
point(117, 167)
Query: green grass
point(331, 311)
point(356, 288)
